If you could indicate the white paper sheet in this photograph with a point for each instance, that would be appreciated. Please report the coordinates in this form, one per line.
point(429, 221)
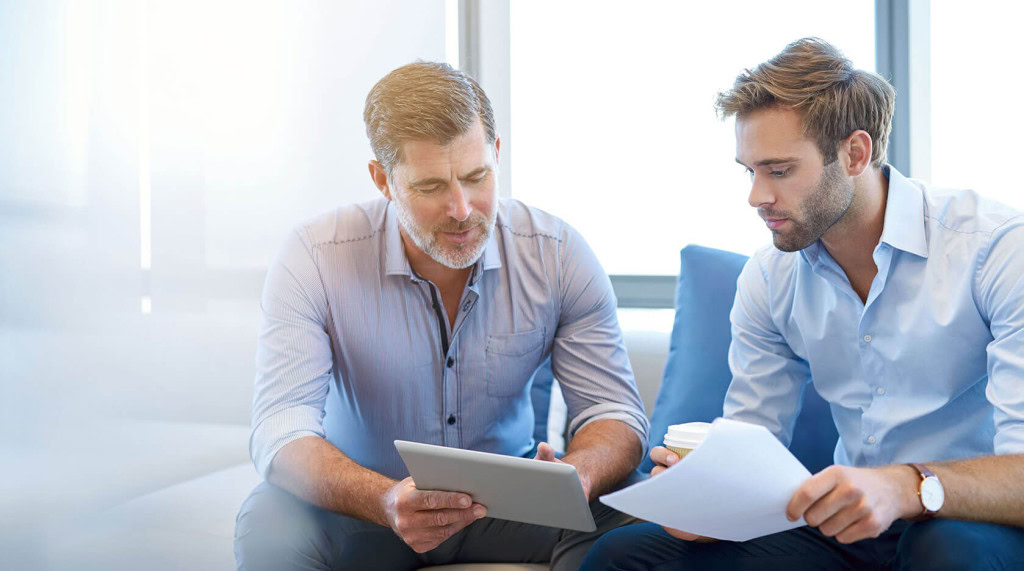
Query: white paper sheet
point(735, 486)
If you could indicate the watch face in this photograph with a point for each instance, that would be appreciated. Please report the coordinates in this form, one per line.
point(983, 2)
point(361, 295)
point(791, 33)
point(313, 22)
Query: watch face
point(932, 494)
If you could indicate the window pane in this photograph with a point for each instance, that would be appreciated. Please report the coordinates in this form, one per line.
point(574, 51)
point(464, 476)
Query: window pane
point(975, 59)
point(613, 122)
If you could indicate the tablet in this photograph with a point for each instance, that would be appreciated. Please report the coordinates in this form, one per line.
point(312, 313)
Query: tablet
point(512, 488)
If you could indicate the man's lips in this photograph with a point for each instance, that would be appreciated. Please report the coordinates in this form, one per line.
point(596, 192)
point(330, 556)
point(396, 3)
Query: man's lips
point(459, 237)
point(775, 223)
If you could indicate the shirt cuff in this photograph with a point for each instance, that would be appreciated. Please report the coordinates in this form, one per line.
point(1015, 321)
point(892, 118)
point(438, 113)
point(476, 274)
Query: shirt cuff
point(277, 430)
point(614, 411)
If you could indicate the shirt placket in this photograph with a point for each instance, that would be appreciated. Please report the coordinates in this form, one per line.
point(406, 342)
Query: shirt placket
point(872, 363)
point(451, 375)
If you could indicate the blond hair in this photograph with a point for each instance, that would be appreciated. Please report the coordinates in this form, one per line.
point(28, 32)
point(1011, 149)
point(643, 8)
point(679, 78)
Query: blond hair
point(813, 77)
point(423, 101)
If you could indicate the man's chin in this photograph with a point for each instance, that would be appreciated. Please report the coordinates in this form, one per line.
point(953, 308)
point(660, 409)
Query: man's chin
point(784, 244)
point(459, 257)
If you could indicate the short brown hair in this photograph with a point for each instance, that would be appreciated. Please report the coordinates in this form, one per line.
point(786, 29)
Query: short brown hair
point(813, 77)
point(423, 101)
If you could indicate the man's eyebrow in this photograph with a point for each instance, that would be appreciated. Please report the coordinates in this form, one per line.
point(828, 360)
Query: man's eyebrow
point(428, 181)
point(478, 171)
point(778, 161)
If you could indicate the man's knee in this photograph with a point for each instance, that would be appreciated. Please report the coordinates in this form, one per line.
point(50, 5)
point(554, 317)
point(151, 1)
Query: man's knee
point(637, 546)
point(610, 551)
point(276, 530)
point(955, 545)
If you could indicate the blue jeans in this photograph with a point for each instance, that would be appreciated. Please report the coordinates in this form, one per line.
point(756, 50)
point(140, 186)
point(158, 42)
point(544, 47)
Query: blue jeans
point(937, 544)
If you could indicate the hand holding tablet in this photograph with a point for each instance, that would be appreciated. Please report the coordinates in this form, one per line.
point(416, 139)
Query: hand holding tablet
point(424, 519)
point(517, 489)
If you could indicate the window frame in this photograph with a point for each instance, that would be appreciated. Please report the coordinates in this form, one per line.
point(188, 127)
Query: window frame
point(902, 36)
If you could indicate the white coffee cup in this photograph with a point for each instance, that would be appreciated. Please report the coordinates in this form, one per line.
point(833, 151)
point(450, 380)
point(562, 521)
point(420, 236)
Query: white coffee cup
point(684, 438)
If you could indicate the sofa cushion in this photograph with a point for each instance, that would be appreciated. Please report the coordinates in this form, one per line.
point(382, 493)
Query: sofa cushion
point(697, 370)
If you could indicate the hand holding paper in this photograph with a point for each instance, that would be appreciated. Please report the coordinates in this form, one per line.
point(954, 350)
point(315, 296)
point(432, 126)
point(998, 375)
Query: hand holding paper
point(735, 486)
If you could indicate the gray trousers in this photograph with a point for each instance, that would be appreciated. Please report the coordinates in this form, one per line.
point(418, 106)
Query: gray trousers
point(277, 531)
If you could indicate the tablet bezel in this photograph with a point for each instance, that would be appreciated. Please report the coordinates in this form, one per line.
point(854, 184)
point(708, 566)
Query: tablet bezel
point(512, 488)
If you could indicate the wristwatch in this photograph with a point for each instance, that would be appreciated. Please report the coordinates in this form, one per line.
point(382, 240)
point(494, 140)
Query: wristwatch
point(930, 492)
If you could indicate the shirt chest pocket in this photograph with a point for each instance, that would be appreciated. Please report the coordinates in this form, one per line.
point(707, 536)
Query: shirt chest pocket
point(511, 360)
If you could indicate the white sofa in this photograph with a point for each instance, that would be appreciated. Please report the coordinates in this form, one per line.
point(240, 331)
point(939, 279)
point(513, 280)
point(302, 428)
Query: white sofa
point(97, 487)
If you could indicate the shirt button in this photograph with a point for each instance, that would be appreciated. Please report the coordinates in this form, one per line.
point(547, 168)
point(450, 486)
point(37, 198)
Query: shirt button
point(867, 339)
point(451, 361)
point(451, 419)
point(880, 390)
point(467, 305)
point(871, 439)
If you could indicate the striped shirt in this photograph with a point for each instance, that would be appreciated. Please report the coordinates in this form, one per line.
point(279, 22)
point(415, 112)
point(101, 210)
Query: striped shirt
point(352, 348)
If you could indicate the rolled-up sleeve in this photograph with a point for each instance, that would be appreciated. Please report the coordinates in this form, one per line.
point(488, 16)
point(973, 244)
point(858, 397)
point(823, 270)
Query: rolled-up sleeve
point(293, 355)
point(999, 293)
point(767, 377)
point(589, 356)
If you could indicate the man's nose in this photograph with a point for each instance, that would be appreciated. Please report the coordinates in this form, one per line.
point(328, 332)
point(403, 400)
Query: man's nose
point(458, 206)
point(760, 193)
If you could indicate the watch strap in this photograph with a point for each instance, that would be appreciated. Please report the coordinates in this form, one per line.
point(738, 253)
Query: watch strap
point(925, 473)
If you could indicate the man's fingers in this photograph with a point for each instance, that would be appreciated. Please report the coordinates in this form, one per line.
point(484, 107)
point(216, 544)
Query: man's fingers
point(434, 500)
point(861, 529)
point(663, 456)
point(428, 536)
point(441, 534)
point(442, 518)
point(844, 502)
point(545, 452)
point(812, 490)
point(841, 519)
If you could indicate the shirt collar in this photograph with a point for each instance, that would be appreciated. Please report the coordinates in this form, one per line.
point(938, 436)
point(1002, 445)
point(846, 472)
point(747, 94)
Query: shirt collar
point(904, 226)
point(492, 254)
point(396, 262)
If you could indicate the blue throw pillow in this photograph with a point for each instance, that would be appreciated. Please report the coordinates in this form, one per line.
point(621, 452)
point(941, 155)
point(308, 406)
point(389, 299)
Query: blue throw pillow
point(697, 370)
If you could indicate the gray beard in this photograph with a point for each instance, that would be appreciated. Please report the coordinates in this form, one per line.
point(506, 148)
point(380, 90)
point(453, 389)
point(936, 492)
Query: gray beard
point(462, 257)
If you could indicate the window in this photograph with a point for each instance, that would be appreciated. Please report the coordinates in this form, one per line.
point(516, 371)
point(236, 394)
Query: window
point(613, 121)
point(154, 156)
point(975, 85)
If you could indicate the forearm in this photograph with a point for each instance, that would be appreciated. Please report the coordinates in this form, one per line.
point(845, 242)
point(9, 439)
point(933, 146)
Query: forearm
point(604, 453)
point(989, 489)
point(316, 471)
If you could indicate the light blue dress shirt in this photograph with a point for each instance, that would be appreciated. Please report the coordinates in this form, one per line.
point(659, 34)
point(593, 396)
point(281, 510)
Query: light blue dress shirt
point(929, 368)
point(356, 348)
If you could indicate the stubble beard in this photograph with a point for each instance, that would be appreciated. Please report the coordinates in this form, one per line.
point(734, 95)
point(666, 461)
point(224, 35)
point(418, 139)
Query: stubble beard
point(459, 256)
point(829, 202)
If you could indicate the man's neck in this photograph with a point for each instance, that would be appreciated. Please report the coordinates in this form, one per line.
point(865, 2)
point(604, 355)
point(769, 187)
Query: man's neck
point(851, 242)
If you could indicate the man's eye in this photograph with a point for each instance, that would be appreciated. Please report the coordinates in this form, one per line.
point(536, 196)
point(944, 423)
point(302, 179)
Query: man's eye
point(428, 189)
point(779, 173)
point(749, 172)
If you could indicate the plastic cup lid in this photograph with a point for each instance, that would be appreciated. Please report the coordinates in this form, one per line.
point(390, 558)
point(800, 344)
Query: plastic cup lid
point(692, 433)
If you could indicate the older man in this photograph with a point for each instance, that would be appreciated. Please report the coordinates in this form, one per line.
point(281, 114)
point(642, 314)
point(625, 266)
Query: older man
point(422, 316)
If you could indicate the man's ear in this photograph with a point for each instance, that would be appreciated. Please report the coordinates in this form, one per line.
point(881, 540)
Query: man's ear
point(497, 147)
point(857, 148)
point(380, 179)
